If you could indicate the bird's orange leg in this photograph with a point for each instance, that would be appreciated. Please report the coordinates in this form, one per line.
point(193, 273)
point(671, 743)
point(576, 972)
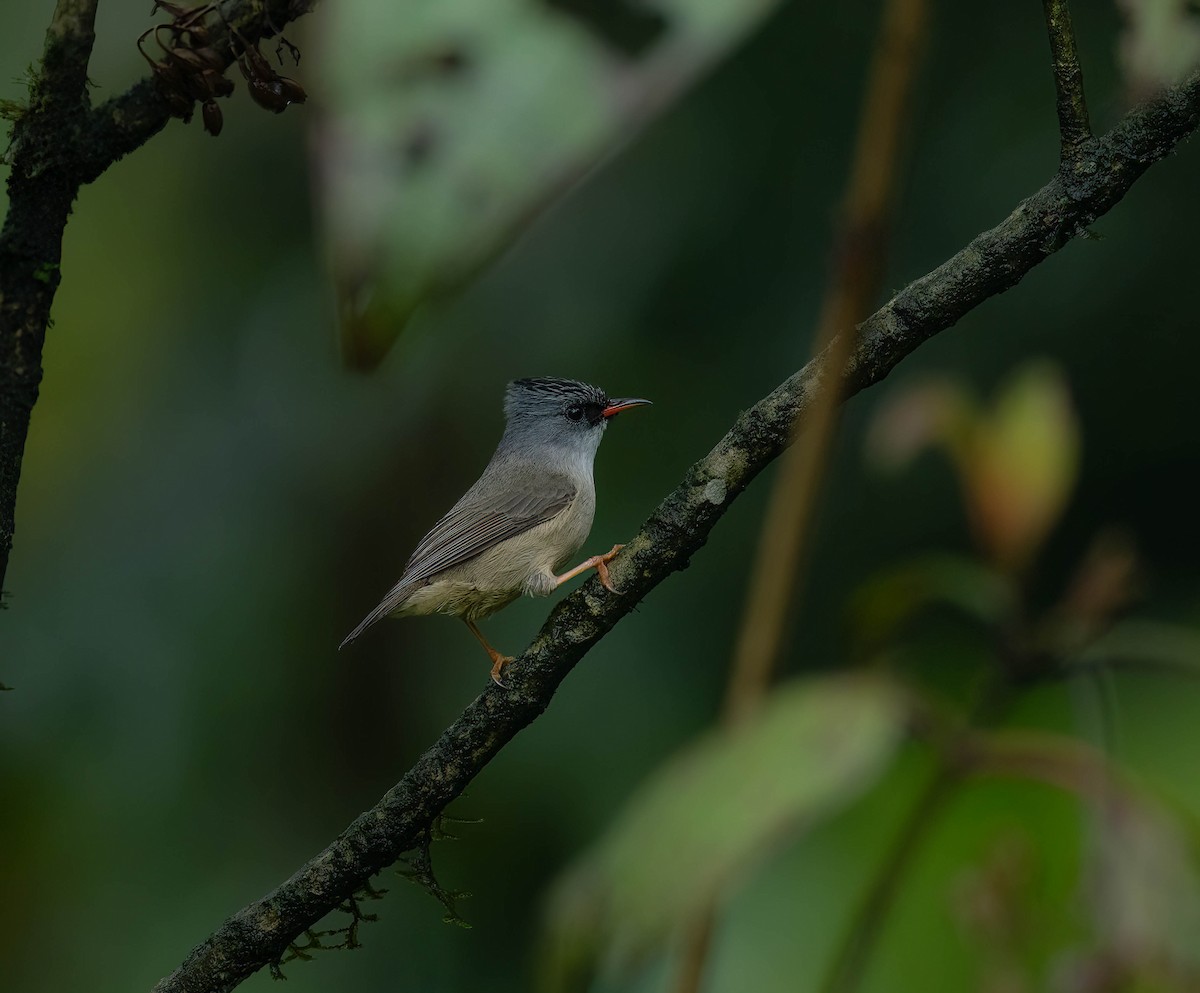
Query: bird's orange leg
point(597, 562)
point(498, 661)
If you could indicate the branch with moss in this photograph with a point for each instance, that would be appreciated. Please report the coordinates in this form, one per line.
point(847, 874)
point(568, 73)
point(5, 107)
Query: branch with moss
point(58, 143)
point(1074, 127)
point(261, 933)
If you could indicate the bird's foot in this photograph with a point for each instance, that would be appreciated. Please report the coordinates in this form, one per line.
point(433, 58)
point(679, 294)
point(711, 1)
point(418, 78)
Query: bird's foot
point(601, 563)
point(597, 562)
point(499, 662)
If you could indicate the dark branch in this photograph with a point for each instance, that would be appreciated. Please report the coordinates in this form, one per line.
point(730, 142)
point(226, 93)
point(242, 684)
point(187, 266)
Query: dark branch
point(41, 190)
point(126, 122)
point(997, 259)
point(59, 143)
point(1073, 124)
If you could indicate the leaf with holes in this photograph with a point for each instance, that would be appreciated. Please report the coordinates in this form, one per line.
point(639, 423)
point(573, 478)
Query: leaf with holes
point(448, 124)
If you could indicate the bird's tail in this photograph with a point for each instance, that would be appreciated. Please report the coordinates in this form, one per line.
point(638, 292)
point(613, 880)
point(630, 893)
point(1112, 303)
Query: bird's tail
point(397, 595)
point(366, 622)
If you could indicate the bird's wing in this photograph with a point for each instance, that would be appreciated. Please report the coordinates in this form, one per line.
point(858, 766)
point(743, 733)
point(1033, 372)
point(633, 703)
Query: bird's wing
point(470, 530)
point(480, 520)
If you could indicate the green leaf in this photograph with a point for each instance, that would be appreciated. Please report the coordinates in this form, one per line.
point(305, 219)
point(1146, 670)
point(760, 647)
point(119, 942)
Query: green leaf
point(890, 599)
point(1023, 464)
point(1160, 44)
point(1143, 890)
point(1145, 645)
point(713, 810)
point(1016, 462)
point(448, 124)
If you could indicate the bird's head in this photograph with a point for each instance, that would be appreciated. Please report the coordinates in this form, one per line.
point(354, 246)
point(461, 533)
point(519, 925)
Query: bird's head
point(562, 412)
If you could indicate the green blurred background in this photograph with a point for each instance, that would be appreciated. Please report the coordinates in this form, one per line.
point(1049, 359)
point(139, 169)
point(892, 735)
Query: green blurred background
point(209, 502)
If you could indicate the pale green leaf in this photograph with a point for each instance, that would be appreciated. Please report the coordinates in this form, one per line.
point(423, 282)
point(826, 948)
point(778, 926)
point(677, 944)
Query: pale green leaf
point(1160, 44)
point(721, 805)
point(447, 124)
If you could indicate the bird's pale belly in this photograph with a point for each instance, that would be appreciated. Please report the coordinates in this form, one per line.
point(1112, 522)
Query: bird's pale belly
point(460, 598)
point(525, 564)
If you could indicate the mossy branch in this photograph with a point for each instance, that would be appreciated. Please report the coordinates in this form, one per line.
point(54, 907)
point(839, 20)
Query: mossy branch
point(58, 143)
point(997, 259)
point(1074, 127)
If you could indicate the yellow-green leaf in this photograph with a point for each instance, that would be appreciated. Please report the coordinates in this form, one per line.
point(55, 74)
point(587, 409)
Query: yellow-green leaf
point(1022, 465)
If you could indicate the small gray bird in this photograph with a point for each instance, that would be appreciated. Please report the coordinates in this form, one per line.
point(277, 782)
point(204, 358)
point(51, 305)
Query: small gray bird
point(524, 518)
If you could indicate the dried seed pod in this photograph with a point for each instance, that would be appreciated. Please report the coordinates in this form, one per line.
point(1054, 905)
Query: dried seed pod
point(267, 93)
point(213, 119)
point(218, 84)
point(175, 10)
point(187, 58)
point(255, 64)
point(210, 57)
point(292, 90)
point(199, 36)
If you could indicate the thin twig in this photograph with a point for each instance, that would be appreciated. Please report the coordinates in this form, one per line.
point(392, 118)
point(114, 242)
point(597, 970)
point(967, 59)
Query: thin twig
point(854, 284)
point(852, 955)
point(857, 275)
point(1073, 125)
point(994, 261)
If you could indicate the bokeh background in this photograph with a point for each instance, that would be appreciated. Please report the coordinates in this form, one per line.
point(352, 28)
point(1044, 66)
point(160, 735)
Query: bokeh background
point(209, 501)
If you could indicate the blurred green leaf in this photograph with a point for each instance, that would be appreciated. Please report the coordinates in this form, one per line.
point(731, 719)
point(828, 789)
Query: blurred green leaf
point(1143, 889)
point(1148, 645)
point(1017, 462)
point(1023, 464)
point(1160, 44)
point(883, 604)
point(716, 808)
point(449, 123)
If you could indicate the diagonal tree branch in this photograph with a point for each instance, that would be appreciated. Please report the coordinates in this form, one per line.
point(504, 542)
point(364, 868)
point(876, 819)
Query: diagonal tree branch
point(1073, 124)
point(58, 144)
point(260, 933)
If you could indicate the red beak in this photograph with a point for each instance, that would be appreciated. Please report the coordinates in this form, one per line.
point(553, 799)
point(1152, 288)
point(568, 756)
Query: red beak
point(616, 406)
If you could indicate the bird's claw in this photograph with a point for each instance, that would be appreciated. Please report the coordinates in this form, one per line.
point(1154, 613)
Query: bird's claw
point(602, 568)
point(498, 663)
point(605, 579)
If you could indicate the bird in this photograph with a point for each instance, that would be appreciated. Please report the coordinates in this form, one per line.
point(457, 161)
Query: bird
point(525, 517)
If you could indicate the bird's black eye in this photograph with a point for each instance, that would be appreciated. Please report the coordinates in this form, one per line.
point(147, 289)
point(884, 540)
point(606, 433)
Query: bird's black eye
point(574, 412)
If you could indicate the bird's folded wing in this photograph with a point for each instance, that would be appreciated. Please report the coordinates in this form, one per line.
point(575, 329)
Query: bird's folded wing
point(479, 521)
point(470, 529)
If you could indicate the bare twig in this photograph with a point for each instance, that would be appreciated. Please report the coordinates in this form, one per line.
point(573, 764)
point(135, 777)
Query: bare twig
point(1073, 124)
point(996, 260)
point(854, 284)
point(59, 143)
point(853, 954)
